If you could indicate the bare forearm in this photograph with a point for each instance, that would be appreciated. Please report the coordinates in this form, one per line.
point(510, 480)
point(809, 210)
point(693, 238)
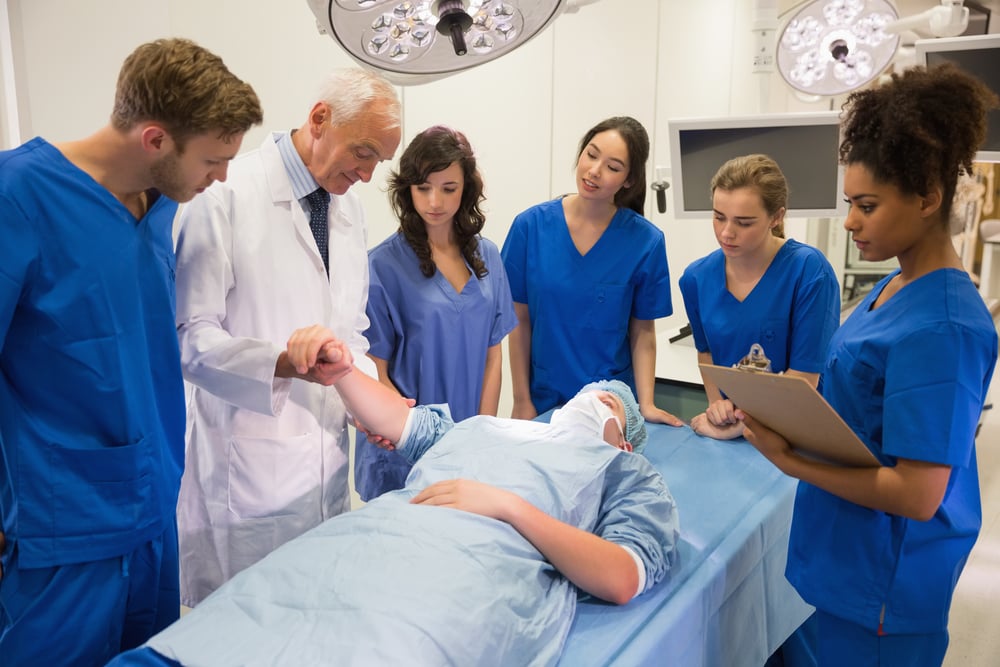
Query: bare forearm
point(381, 409)
point(489, 401)
point(382, 368)
point(913, 489)
point(519, 342)
point(595, 565)
point(642, 338)
point(712, 392)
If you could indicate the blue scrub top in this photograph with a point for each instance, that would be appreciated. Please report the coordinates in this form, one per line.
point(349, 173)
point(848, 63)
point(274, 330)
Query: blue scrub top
point(909, 378)
point(434, 339)
point(792, 311)
point(581, 305)
point(91, 396)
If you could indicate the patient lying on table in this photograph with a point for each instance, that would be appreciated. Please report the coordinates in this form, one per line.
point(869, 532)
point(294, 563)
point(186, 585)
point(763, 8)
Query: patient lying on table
point(407, 579)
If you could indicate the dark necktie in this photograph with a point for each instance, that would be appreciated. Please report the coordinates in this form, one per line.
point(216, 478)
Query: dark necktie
point(319, 202)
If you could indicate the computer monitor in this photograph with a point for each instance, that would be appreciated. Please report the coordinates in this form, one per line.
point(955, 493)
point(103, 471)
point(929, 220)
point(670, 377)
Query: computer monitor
point(803, 144)
point(979, 55)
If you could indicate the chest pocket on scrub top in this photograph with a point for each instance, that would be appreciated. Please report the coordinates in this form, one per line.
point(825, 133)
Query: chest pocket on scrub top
point(866, 383)
point(608, 308)
point(773, 337)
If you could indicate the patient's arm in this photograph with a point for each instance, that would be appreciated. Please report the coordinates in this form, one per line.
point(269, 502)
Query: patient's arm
point(381, 409)
point(595, 565)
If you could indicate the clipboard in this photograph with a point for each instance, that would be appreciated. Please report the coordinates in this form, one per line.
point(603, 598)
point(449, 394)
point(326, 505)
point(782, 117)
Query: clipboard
point(791, 406)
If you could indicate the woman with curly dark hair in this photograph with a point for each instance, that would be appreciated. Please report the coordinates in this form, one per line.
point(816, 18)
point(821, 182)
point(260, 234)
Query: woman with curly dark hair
point(878, 550)
point(439, 303)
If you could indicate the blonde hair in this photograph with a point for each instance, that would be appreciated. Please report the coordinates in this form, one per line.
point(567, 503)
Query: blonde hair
point(764, 176)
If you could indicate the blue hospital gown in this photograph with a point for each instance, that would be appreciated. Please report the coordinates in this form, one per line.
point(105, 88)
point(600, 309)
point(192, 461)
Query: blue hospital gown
point(434, 340)
point(581, 305)
point(792, 311)
point(909, 378)
point(395, 583)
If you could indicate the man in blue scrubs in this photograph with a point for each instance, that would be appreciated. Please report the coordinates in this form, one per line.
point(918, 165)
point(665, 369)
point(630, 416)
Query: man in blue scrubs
point(91, 397)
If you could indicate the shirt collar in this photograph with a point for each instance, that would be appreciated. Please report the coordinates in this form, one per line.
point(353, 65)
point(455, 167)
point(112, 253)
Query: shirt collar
point(298, 174)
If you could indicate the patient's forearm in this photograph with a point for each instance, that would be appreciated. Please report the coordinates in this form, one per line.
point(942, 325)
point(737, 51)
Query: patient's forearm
point(597, 566)
point(379, 409)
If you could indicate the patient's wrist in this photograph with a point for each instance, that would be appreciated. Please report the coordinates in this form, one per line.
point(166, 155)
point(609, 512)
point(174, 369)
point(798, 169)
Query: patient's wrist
point(404, 436)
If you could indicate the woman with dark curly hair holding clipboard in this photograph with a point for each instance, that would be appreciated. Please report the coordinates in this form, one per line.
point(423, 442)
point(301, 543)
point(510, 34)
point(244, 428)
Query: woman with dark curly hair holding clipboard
point(878, 550)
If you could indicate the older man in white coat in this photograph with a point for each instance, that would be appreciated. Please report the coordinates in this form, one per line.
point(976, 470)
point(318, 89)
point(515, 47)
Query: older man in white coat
point(260, 257)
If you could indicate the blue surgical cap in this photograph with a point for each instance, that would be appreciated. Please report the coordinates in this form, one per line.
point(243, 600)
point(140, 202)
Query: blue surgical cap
point(635, 425)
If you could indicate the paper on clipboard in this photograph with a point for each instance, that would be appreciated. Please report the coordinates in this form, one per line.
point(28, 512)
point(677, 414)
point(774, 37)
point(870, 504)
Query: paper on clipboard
point(792, 407)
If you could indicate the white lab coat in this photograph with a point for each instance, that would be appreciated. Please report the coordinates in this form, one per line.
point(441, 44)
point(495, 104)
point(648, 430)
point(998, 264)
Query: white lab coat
point(267, 458)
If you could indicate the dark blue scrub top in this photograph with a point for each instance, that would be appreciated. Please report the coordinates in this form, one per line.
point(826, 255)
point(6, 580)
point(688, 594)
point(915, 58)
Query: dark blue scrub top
point(581, 305)
point(91, 395)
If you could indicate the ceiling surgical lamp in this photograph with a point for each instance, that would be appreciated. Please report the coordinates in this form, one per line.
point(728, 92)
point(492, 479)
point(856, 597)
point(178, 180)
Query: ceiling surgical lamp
point(831, 47)
point(413, 41)
point(834, 46)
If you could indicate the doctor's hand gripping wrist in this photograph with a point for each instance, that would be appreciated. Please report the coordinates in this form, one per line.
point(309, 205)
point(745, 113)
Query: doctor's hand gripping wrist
point(314, 354)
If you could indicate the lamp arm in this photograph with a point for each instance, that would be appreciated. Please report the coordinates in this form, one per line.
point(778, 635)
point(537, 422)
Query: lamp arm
point(948, 19)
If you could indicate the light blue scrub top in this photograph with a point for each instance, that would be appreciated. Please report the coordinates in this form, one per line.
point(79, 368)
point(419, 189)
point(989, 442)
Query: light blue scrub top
point(580, 306)
point(434, 339)
point(91, 396)
point(909, 378)
point(792, 311)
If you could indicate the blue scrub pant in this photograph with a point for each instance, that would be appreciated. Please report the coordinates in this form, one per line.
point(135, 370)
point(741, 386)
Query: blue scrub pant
point(86, 613)
point(841, 642)
point(799, 650)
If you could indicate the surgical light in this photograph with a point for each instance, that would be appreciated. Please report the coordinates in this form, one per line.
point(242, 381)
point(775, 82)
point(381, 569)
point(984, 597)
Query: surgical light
point(411, 41)
point(836, 46)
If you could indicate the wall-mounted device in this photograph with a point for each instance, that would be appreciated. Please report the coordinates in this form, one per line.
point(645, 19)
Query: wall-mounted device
point(979, 55)
point(804, 145)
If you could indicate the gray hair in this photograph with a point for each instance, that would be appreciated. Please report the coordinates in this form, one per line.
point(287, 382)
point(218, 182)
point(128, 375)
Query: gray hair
point(350, 91)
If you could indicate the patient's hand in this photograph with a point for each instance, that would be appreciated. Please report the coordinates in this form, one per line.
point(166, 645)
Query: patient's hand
point(721, 413)
point(469, 496)
point(702, 425)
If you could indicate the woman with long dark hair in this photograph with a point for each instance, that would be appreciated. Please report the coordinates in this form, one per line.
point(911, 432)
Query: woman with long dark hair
point(589, 277)
point(438, 302)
